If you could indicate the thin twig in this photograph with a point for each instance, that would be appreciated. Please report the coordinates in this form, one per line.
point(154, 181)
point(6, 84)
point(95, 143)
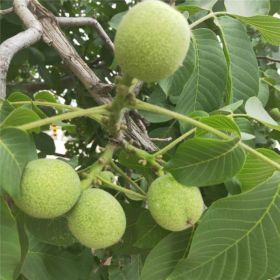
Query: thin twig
point(6, 11)
point(87, 21)
point(125, 176)
point(119, 188)
point(174, 143)
point(269, 58)
point(210, 15)
point(161, 139)
point(20, 41)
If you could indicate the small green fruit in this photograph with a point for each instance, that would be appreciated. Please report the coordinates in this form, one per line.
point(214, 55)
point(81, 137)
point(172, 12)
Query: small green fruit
point(152, 41)
point(49, 188)
point(98, 220)
point(275, 113)
point(107, 175)
point(174, 206)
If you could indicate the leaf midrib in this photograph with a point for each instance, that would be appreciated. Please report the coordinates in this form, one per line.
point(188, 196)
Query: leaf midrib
point(205, 161)
point(277, 193)
point(11, 154)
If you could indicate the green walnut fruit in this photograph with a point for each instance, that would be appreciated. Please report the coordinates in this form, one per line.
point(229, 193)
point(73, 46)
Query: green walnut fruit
point(174, 206)
point(98, 220)
point(152, 41)
point(49, 188)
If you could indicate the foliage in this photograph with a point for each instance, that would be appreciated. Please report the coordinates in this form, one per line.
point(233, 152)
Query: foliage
point(219, 108)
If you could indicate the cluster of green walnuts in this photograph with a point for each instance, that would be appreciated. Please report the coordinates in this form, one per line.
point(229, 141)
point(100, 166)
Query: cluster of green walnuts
point(151, 43)
point(51, 189)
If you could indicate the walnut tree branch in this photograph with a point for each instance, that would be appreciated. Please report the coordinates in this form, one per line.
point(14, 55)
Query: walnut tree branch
point(54, 37)
point(87, 21)
point(269, 58)
point(20, 41)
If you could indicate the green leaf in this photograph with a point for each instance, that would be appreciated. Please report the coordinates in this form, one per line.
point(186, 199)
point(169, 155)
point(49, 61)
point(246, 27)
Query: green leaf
point(44, 143)
point(16, 149)
point(221, 123)
point(255, 109)
point(205, 88)
point(5, 109)
point(21, 116)
point(129, 160)
point(116, 19)
point(238, 237)
point(247, 129)
point(268, 26)
point(149, 233)
point(274, 6)
point(213, 193)
point(263, 94)
point(45, 96)
point(164, 132)
point(50, 231)
point(18, 96)
point(255, 170)
point(231, 107)
point(10, 253)
point(132, 213)
point(197, 115)
point(247, 7)
point(127, 268)
point(204, 4)
point(173, 85)
point(243, 75)
point(203, 161)
point(47, 262)
point(165, 255)
point(158, 98)
point(191, 10)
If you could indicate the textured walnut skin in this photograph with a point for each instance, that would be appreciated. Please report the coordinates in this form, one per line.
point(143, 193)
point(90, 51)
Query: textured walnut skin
point(98, 220)
point(152, 41)
point(49, 188)
point(174, 206)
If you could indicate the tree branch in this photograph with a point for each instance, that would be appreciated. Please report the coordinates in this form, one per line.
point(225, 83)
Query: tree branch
point(54, 37)
point(20, 41)
point(6, 11)
point(269, 58)
point(87, 21)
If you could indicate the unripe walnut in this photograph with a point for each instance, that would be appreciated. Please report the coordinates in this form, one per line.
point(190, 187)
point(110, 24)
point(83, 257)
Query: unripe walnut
point(49, 188)
point(174, 206)
point(98, 220)
point(152, 41)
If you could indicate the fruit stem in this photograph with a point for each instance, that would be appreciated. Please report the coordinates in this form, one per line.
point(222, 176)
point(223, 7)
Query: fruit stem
point(210, 15)
point(125, 176)
point(156, 109)
point(273, 126)
point(97, 167)
point(145, 157)
point(119, 188)
point(174, 143)
point(95, 113)
point(118, 104)
point(47, 104)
